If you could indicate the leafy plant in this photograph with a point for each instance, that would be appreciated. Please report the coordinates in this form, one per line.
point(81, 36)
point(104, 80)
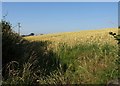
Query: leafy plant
point(117, 37)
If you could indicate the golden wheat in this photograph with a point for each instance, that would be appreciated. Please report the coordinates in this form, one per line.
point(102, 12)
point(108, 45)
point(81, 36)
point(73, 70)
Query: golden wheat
point(89, 36)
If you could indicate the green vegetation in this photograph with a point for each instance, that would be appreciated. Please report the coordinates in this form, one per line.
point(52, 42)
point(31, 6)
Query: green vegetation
point(24, 60)
point(36, 62)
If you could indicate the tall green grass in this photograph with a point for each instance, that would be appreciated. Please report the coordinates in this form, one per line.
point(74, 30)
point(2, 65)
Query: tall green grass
point(89, 63)
point(80, 64)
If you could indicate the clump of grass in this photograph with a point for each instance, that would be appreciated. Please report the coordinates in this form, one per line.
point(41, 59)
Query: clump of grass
point(89, 62)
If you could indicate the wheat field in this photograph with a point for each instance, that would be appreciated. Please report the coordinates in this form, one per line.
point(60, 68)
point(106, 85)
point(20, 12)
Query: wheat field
point(72, 38)
point(100, 37)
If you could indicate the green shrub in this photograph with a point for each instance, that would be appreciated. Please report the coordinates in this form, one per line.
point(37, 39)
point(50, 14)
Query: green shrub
point(11, 44)
point(23, 60)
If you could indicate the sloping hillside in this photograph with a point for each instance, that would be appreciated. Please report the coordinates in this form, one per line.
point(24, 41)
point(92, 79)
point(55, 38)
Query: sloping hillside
point(89, 36)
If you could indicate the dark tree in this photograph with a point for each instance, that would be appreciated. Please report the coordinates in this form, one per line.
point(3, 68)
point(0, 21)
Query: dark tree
point(31, 34)
point(119, 27)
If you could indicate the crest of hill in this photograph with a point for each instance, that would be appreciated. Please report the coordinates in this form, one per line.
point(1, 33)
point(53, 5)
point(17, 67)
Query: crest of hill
point(100, 36)
point(80, 33)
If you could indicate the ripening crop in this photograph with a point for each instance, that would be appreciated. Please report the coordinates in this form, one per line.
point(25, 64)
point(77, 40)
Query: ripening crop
point(72, 38)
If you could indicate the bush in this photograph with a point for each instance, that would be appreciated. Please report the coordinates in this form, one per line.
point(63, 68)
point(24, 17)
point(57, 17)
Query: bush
point(17, 52)
point(11, 43)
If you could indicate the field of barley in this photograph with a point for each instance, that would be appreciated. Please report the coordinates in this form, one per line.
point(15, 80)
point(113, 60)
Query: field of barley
point(101, 36)
point(85, 56)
